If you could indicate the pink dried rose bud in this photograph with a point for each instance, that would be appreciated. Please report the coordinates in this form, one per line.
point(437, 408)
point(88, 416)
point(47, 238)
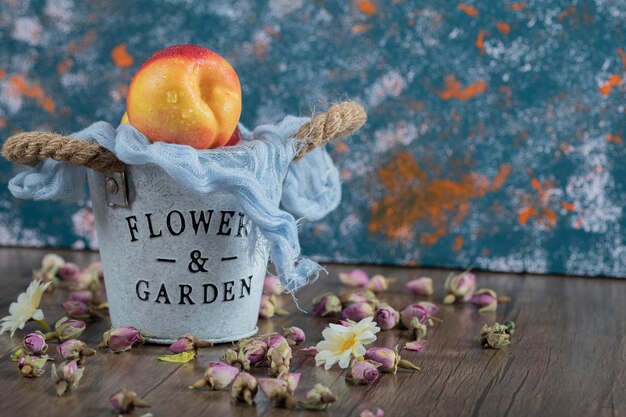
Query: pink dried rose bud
point(389, 360)
point(272, 286)
point(74, 349)
point(368, 413)
point(423, 311)
point(121, 339)
point(274, 339)
point(292, 379)
point(254, 351)
point(363, 372)
point(357, 311)
point(67, 376)
point(32, 366)
point(486, 300)
point(386, 317)
point(354, 278)
point(66, 329)
point(267, 309)
point(294, 335)
point(188, 343)
point(279, 358)
point(416, 345)
point(84, 296)
point(318, 398)
point(360, 296)
point(244, 388)
point(69, 272)
point(218, 375)
point(326, 305)
point(417, 330)
point(459, 287)
point(35, 343)
point(421, 286)
point(76, 309)
point(379, 283)
point(311, 350)
point(125, 401)
point(279, 392)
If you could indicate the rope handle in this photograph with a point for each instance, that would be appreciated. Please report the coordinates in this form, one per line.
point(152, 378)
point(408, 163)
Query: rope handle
point(29, 148)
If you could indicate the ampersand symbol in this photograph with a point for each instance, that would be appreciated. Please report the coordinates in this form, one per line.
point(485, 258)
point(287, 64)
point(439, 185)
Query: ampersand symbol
point(197, 262)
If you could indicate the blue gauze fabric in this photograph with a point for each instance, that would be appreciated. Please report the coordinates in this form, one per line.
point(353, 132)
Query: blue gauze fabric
point(259, 172)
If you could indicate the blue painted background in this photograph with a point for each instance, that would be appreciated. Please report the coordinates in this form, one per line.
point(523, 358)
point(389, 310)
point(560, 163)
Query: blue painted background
point(496, 128)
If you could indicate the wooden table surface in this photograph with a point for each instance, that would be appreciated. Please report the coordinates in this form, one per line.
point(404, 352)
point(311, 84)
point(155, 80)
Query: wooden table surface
point(568, 356)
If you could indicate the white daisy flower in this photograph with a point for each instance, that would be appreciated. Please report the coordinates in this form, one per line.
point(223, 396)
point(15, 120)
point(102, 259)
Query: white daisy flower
point(25, 308)
point(341, 343)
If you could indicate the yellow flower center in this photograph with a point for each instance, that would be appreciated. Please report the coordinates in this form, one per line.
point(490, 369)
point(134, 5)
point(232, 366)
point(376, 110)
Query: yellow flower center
point(348, 343)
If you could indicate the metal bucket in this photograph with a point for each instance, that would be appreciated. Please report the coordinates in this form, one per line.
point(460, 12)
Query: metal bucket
point(176, 262)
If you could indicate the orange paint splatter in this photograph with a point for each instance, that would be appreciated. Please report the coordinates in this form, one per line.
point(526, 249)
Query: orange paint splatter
point(3, 74)
point(3, 122)
point(412, 197)
point(503, 27)
point(568, 206)
point(622, 55)
point(121, 57)
point(480, 41)
point(64, 66)
point(518, 7)
point(571, 10)
point(78, 47)
point(356, 29)
point(550, 217)
point(367, 7)
point(23, 87)
point(614, 139)
point(341, 147)
point(468, 10)
point(614, 81)
point(457, 245)
point(453, 89)
point(525, 214)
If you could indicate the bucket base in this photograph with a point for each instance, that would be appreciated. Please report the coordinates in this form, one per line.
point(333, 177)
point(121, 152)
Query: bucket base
point(159, 341)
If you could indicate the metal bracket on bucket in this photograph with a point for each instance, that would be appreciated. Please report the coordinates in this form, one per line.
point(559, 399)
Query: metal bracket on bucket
point(116, 189)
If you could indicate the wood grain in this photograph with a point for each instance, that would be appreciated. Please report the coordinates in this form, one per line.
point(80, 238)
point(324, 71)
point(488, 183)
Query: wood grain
point(567, 358)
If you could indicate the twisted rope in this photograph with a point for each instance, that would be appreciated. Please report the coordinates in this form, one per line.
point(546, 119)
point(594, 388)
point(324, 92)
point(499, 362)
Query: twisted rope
point(29, 148)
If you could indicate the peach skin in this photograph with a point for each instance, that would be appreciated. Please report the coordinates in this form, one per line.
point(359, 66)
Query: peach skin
point(185, 94)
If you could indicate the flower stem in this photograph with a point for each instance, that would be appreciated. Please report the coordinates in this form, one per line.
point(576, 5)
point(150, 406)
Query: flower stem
point(43, 325)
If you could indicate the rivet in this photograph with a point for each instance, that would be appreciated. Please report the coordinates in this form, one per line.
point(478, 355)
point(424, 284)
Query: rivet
point(112, 186)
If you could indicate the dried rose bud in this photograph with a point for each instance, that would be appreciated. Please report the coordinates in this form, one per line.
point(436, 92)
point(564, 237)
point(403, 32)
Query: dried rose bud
point(363, 372)
point(386, 317)
point(416, 345)
point(85, 296)
point(244, 388)
point(459, 287)
point(74, 349)
point(52, 261)
point(497, 336)
point(67, 376)
point(76, 309)
point(292, 379)
point(35, 343)
point(354, 278)
point(125, 401)
point(50, 265)
point(359, 296)
point(417, 330)
point(272, 286)
point(32, 366)
point(345, 322)
point(311, 350)
point(236, 358)
point(294, 335)
point(369, 413)
point(379, 283)
point(357, 311)
point(389, 359)
point(254, 351)
point(121, 339)
point(267, 309)
point(279, 392)
point(69, 272)
point(188, 343)
point(421, 286)
point(66, 329)
point(274, 339)
point(423, 311)
point(279, 358)
point(486, 300)
point(326, 305)
point(318, 398)
point(218, 375)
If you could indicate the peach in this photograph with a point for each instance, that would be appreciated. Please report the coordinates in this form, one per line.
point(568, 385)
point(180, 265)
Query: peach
point(185, 94)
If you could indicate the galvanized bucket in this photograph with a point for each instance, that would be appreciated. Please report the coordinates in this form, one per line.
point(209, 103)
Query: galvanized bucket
point(176, 263)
